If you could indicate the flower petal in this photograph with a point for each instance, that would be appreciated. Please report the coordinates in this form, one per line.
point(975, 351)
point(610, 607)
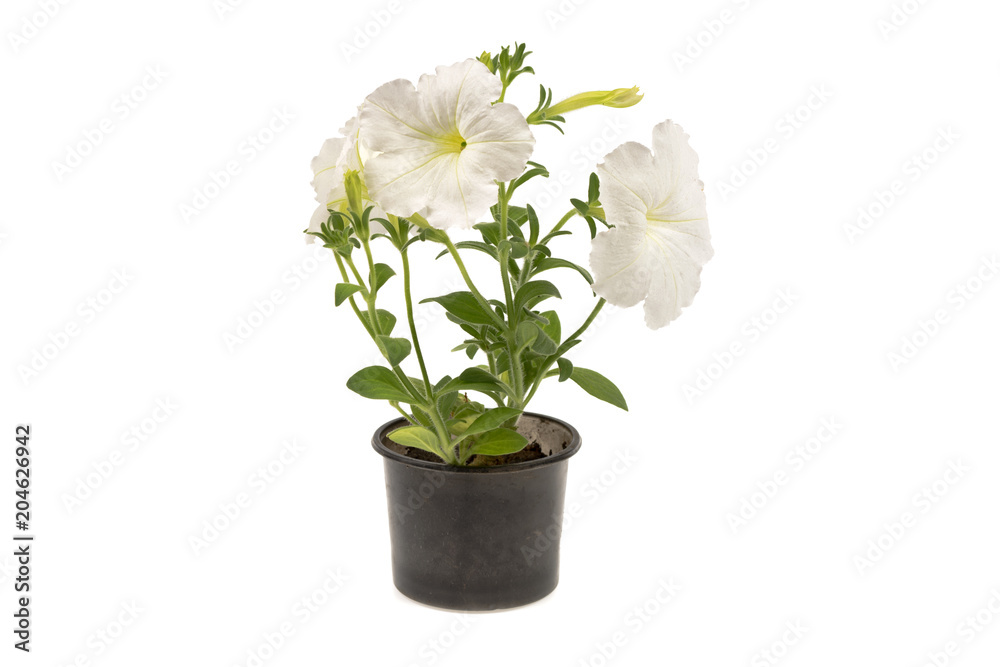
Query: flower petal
point(319, 216)
point(660, 239)
point(325, 167)
point(622, 265)
point(464, 90)
point(501, 138)
point(624, 196)
point(442, 145)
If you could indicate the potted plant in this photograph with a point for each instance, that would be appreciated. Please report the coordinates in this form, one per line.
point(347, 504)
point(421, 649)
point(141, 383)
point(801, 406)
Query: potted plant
point(475, 483)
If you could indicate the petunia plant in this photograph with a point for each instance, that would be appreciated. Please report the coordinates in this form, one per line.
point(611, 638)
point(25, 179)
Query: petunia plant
point(418, 161)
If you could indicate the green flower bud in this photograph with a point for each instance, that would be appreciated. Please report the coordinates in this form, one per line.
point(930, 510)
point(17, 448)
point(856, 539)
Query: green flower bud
point(355, 192)
point(618, 98)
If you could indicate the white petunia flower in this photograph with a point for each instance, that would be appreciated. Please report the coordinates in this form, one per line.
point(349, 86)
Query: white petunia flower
point(442, 145)
point(336, 157)
point(660, 238)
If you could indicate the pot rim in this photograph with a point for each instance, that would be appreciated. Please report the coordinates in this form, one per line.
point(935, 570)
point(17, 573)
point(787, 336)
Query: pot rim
point(573, 447)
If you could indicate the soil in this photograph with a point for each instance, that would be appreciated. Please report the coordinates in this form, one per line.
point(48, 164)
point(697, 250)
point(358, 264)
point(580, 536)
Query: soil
point(529, 453)
point(546, 437)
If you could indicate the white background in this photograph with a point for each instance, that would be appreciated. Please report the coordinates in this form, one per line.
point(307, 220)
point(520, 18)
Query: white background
point(887, 94)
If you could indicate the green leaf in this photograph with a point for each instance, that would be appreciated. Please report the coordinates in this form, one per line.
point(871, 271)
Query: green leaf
point(565, 368)
point(547, 263)
point(475, 379)
point(515, 214)
point(490, 420)
point(599, 386)
point(532, 315)
point(464, 306)
point(499, 442)
point(421, 417)
point(594, 191)
point(379, 383)
point(490, 232)
point(343, 291)
point(416, 436)
point(553, 329)
point(386, 320)
point(446, 403)
point(435, 235)
point(533, 225)
point(473, 245)
point(537, 170)
point(526, 334)
point(381, 274)
point(394, 349)
point(581, 207)
point(531, 293)
point(544, 345)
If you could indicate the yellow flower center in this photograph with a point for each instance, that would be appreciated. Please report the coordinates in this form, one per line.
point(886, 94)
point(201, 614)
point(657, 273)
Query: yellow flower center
point(452, 142)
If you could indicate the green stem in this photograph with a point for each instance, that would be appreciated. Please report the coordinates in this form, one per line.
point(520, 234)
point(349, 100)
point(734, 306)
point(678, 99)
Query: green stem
point(433, 411)
point(354, 305)
point(446, 453)
point(413, 326)
point(374, 330)
point(559, 225)
point(367, 295)
point(513, 355)
point(401, 411)
point(483, 303)
point(447, 450)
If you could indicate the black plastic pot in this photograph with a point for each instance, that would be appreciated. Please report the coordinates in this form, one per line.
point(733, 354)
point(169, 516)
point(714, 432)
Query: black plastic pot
point(478, 538)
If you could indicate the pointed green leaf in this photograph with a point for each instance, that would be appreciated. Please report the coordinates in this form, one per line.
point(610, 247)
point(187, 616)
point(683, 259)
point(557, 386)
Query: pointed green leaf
point(599, 386)
point(553, 329)
point(490, 420)
point(386, 321)
point(531, 293)
point(533, 225)
point(565, 368)
point(472, 245)
point(416, 436)
point(475, 379)
point(421, 417)
point(394, 349)
point(527, 332)
point(499, 442)
point(581, 206)
point(343, 291)
point(464, 306)
point(381, 274)
point(544, 345)
point(490, 231)
point(379, 383)
point(547, 263)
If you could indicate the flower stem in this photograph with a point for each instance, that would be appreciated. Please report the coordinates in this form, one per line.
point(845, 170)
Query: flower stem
point(483, 303)
point(432, 409)
point(513, 354)
point(413, 326)
point(559, 225)
point(372, 326)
